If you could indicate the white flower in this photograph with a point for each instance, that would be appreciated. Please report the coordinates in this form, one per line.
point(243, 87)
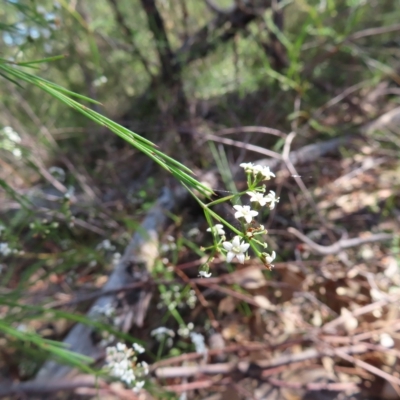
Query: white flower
point(258, 197)
point(5, 249)
point(108, 310)
point(248, 167)
point(121, 347)
point(126, 375)
point(106, 245)
point(145, 367)
point(184, 331)
point(269, 258)
point(271, 198)
point(11, 134)
point(138, 348)
point(198, 341)
point(265, 171)
point(194, 232)
point(17, 153)
point(218, 229)
point(245, 212)
point(236, 249)
point(258, 169)
point(161, 332)
point(204, 274)
point(138, 386)
point(100, 81)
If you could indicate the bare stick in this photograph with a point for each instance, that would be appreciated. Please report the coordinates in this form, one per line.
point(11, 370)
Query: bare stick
point(368, 367)
point(243, 366)
point(251, 147)
point(360, 311)
point(138, 258)
point(339, 245)
point(251, 129)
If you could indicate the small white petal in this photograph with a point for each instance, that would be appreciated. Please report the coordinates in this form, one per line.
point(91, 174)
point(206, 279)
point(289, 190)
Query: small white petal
point(121, 347)
point(248, 167)
point(257, 197)
point(138, 348)
point(244, 247)
point(236, 241)
point(240, 257)
point(227, 246)
point(204, 274)
point(218, 229)
point(271, 198)
point(229, 256)
point(265, 171)
point(247, 218)
point(269, 258)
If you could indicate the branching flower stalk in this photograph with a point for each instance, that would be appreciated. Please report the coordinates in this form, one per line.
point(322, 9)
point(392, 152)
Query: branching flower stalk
point(250, 230)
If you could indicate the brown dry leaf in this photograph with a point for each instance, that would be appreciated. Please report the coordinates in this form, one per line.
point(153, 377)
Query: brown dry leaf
point(294, 278)
point(227, 305)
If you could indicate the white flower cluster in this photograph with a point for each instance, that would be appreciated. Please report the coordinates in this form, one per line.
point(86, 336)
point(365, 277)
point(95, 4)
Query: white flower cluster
point(107, 310)
point(5, 249)
point(177, 298)
point(170, 246)
point(258, 170)
point(105, 245)
point(198, 341)
point(10, 141)
point(238, 247)
point(122, 364)
point(100, 81)
point(106, 314)
point(184, 330)
point(163, 333)
point(263, 200)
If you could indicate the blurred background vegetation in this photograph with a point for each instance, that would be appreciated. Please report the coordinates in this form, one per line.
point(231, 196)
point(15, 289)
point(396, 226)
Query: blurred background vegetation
point(205, 80)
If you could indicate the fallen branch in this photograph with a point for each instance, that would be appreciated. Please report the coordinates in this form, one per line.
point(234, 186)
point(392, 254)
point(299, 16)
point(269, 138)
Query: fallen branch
point(339, 245)
point(309, 153)
point(134, 266)
point(360, 311)
point(315, 386)
point(244, 367)
point(368, 367)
